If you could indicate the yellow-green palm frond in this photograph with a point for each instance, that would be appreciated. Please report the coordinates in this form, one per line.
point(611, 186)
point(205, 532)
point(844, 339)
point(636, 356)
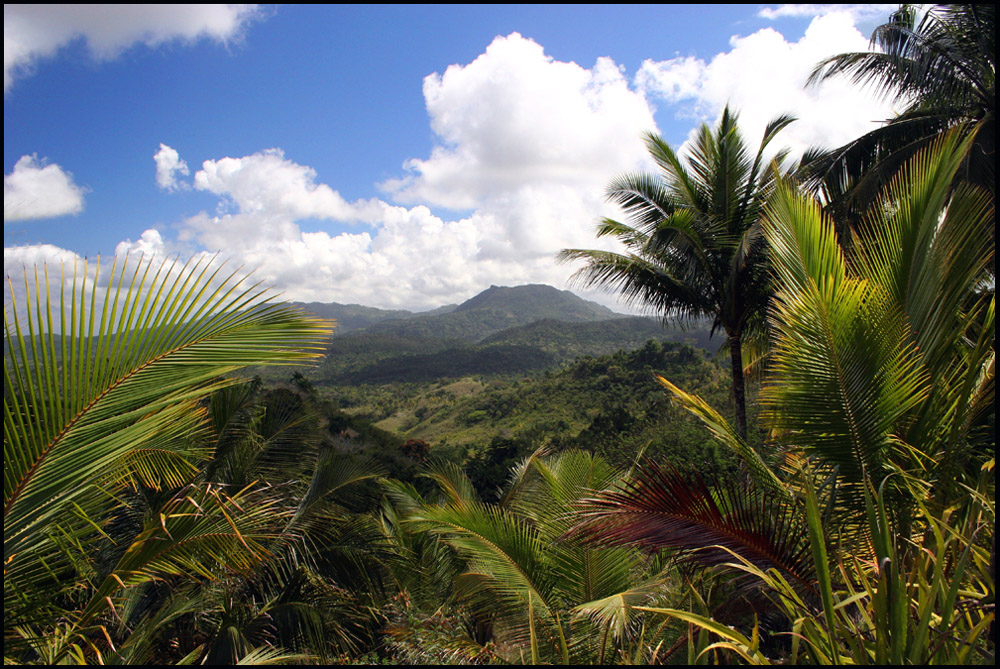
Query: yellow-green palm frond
point(104, 376)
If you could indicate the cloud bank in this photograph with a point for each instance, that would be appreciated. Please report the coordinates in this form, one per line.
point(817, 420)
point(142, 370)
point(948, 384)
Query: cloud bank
point(34, 32)
point(857, 12)
point(525, 146)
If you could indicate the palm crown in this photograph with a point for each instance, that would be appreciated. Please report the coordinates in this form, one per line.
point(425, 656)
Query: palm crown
point(693, 244)
point(942, 69)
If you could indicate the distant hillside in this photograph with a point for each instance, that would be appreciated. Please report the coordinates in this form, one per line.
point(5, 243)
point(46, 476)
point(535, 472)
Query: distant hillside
point(455, 362)
point(495, 309)
point(567, 400)
point(537, 301)
point(611, 405)
point(503, 330)
point(571, 340)
point(352, 317)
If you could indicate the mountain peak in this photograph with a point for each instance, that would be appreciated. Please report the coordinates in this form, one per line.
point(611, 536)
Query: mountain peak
point(535, 301)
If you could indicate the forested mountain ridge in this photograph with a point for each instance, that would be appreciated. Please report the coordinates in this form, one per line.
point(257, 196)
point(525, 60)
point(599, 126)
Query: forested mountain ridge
point(503, 330)
point(502, 306)
point(496, 308)
point(600, 337)
point(536, 301)
point(351, 317)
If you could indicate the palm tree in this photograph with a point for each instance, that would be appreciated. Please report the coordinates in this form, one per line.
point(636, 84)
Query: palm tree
point(881, 370)
point(104, 383)
point(942, 70)
point(693, 242)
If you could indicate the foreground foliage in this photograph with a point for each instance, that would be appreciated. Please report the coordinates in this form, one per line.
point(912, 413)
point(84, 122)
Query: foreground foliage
point(874, 541)
point(105, 427)
point(526, 593)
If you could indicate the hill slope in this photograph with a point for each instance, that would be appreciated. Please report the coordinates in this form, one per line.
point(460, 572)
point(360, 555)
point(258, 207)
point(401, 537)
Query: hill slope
point(503, 330)
point(497, 308)
point(351, 317)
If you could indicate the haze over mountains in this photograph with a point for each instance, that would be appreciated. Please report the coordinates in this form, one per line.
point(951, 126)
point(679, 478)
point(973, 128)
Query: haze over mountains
point(493, 309)
point(501, 330)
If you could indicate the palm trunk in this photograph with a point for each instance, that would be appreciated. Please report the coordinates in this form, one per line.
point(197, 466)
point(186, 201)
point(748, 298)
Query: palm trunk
point(739, 388)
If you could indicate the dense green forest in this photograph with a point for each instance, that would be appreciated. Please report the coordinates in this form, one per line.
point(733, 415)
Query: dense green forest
point(793, 463)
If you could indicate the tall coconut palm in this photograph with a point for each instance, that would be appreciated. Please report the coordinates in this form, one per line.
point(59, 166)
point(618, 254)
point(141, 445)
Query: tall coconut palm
point(941, 70)
point(693, 240)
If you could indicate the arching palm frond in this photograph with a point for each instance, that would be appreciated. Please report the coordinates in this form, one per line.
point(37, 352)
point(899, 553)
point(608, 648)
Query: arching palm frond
point(169, 341)
point(942, 70)
point(545, 598)
point(925, 246)
point(640, 281)
point(945, 60)
point(836, 339)
point(661, 508)
point(103, 383)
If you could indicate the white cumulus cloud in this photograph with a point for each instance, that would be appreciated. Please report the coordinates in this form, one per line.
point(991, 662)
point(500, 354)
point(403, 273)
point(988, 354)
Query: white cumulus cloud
point(150, 244)
point(36, 190)
point(34, 32)
point(168, 166)
point(268, 183)
point(16, 258)
point(764, 75)
point(516, 118)
point(525, 143)
point(393, 255)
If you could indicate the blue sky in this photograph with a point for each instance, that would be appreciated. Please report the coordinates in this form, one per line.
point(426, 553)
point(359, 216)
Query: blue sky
point(397, 156)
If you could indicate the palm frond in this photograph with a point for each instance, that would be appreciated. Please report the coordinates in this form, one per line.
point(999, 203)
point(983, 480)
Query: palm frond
point(726, 434)
point(263, 655)
point(499, 548)
point(639, 281)
point(332, 474)
point(174, 338)
point(104, 388)
point(660, 508)
point(642, 196)
point(942, 71)
point(838, 338)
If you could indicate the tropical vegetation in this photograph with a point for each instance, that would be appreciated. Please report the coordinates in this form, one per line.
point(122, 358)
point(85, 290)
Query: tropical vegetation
point(941, 69)
point(880, 392)
point(160, 507)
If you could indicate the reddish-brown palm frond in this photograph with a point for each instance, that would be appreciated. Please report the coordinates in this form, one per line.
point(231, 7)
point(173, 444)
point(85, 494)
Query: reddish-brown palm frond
point(662, 508)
